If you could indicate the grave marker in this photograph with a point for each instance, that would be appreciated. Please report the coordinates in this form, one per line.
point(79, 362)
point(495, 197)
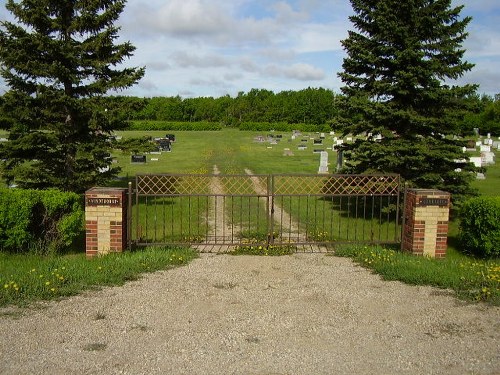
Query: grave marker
point(323, 162)
point(139, 159)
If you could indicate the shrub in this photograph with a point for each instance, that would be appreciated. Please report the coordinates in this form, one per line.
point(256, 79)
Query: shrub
point(480, 226)
point(172, 125)
point(42, 220)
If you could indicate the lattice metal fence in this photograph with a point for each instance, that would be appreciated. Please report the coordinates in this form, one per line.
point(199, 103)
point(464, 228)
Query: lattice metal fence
point(212, 210)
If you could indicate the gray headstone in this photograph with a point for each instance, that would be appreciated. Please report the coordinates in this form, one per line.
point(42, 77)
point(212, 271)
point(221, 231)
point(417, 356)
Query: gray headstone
point(323, 162)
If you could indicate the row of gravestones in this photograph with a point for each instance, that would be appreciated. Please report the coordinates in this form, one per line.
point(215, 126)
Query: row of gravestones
point(163, 144)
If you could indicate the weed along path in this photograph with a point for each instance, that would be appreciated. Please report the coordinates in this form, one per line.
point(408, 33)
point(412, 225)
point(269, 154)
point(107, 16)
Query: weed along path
point(223, 314)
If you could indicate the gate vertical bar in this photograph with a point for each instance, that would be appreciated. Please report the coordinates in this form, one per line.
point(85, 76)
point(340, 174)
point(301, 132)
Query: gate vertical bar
point(270, 209)
point(129, 216)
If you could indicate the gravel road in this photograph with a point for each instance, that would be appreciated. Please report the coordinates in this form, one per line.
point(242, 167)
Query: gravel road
point(223, 314)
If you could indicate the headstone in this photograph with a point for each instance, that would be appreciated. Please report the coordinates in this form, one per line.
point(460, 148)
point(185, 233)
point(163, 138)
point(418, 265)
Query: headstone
point(340, 160)
point(478, 143)
point(287, 152)
point(138, 159)
point(480, 176)
point(471, 144)
point(464, 149)
point(349, 139)
point(476, 160)
point(335, 139)
point(301, 147)
point(340, 142)
point(485, 148)
point(488, 135)
point(322, 135)
point(332, 133)
point(154, 159)
point(293, 136)
point(323, 162)
point(487, 158)
point(318, 141)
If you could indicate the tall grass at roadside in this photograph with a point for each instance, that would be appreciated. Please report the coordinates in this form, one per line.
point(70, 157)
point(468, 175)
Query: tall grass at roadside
point(29, 278)
point(471, 279)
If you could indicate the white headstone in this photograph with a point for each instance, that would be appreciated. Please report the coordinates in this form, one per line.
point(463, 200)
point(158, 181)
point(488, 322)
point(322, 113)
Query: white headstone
point(323, 162)
point(487, 158)
point(476, 160)
point(478, 143)
point(464, 149)
point(349, 139)
point(340, 141)
point(480, 176)
point(485, 148)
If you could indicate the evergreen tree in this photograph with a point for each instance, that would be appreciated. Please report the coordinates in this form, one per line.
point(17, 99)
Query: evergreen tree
point(59, 60)
point(395, 74)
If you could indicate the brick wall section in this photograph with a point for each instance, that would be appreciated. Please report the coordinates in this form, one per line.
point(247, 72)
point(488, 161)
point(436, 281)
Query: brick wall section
point(426, 222)
point(105, 220)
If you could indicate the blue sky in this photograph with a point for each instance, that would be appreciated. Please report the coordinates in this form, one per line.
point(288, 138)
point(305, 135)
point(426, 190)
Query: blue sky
point(216, 47)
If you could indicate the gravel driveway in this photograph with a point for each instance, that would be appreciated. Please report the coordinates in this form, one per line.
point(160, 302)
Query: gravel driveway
point(222, 314)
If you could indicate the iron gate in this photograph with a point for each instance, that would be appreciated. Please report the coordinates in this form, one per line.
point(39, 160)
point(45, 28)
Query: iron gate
point(209, 211)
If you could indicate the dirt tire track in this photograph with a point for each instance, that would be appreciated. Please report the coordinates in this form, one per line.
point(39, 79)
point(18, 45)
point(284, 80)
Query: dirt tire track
point(221, 232)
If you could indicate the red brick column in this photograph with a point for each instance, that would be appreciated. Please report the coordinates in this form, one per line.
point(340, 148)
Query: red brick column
point(105, 220)
point(425, 231)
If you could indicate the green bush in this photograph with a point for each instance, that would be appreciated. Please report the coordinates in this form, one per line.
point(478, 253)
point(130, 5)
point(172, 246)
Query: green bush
point(174, 125)
point(41, 220)
point(480, 226)
point(282, 127)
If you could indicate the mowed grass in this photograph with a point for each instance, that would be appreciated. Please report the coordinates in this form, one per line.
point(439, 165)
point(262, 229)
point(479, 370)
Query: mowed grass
point(230, 149)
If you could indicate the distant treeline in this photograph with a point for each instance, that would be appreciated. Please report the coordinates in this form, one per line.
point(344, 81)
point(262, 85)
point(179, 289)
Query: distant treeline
point(259, 109)
point(311, 106)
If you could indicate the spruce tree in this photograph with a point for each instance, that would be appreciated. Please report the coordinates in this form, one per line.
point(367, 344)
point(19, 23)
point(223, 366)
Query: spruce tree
point(59, 59)
point(396, 77)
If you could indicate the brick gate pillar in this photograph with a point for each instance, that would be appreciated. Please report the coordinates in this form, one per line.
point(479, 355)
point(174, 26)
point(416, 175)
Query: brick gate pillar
point(425, 231)
point(105, 220)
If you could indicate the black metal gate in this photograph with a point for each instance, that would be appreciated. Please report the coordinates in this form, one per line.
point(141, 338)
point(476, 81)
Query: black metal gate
point(214, 211)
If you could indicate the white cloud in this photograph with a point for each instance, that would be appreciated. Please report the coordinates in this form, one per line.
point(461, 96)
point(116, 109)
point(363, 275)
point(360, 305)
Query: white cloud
point(304, 72)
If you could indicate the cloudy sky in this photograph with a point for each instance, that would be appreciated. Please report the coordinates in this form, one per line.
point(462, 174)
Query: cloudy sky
point(216, 47)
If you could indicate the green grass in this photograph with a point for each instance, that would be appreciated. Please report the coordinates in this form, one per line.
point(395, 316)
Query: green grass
point(25, 279)
point(471, 279)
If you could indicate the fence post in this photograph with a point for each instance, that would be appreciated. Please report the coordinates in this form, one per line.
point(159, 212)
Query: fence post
point(105, 220)
point(426, 216)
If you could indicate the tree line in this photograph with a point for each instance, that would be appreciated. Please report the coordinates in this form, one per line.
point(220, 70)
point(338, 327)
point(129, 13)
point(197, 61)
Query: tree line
point(316, 106)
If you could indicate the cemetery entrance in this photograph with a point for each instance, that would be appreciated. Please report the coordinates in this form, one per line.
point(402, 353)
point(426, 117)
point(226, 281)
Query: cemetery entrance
point(217, 212)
